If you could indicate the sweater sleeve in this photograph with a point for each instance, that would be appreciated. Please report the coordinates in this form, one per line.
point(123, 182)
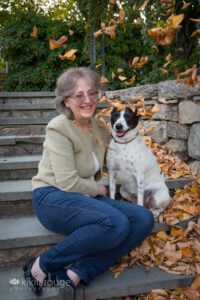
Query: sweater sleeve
point(61, 155)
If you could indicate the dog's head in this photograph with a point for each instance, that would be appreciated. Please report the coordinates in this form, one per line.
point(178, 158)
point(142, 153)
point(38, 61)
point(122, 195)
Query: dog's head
point(122, 121)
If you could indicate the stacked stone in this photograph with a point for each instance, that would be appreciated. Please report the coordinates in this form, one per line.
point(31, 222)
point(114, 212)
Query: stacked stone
point(177, 123)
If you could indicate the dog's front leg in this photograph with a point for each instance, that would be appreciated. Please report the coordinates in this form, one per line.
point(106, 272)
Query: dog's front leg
point(112, 183)
point(140, 190)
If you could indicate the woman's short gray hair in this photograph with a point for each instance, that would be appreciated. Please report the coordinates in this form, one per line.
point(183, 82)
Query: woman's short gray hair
point(66, 85)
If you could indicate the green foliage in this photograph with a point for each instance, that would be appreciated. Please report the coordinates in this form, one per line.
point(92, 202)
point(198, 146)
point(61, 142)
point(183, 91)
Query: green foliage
point(34, 67)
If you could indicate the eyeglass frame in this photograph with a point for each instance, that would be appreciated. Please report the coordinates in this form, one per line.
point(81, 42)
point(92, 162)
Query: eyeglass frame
point(93, 96)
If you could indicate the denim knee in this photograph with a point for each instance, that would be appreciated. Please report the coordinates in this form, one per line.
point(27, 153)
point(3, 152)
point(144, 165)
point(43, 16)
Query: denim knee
point(121, 228)
point(148, 222)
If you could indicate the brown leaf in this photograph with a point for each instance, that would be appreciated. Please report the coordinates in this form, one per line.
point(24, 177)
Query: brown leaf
point(162, 235)
point(164, 36)
point(196, 283)
point(135, 62)
point(191, 294)
point(121, 15)
point(122, 78)
point(144, 5)
point(34, 33)
point(69, 55)
point(53, 44)
point(103, 80)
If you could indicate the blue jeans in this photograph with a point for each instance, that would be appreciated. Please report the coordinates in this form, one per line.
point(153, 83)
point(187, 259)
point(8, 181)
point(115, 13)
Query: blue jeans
point(99, 231)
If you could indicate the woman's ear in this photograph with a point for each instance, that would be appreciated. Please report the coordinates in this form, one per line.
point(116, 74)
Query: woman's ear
point(65, 102)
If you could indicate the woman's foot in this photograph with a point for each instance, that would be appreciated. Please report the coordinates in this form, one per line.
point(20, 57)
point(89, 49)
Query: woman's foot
point(32, 281)
point(37, 272)
point(74, 277)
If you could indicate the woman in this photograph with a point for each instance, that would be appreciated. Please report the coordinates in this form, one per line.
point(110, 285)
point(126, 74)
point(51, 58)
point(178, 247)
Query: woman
point(68, 199)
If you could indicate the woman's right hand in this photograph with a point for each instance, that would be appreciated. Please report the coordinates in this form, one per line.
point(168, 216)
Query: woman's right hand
point(102, 190)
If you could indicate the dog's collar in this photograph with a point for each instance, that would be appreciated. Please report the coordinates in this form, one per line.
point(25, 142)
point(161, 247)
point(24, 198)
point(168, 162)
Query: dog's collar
point(125, 142)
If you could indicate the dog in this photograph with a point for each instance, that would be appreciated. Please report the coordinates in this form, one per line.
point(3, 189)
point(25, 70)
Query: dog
point(130, 160)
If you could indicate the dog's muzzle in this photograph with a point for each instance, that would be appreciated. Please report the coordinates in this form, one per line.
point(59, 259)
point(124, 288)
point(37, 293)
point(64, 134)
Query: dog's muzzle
point(119, 130)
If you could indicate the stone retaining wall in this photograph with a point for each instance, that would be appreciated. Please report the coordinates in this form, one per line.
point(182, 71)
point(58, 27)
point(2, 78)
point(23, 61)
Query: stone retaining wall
point(177, 123)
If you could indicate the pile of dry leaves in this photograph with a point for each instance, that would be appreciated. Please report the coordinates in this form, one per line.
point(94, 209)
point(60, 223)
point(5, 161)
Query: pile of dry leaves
point(176, 252)
point(179, 294)
point(184, 205)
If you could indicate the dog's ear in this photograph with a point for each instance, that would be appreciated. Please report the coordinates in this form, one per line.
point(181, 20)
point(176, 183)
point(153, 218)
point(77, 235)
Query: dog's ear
point(114, 109)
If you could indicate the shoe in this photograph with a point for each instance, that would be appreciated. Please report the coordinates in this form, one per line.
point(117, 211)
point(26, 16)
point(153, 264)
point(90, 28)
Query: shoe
point(32, 282)
point(67, 289)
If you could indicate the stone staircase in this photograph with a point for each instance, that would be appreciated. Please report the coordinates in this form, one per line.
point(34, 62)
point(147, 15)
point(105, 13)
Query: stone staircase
point(23, 117)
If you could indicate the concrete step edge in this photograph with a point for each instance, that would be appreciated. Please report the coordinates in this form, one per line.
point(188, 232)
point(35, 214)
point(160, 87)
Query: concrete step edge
point(132, 281)
point(13, 190)
point(14, 139)
point(22, 232)
point(19, 162)
point(38, 106)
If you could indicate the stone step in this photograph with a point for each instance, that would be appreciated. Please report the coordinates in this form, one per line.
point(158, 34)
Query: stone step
point(18, 167)
point(25, 121)
point(24, 237)
point(132, 281)
point(15, 195)
point(34, 104)
point(22, 130)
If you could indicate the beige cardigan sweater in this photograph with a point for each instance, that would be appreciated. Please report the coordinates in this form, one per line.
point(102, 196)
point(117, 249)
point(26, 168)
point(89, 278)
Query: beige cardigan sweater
point(67, 161)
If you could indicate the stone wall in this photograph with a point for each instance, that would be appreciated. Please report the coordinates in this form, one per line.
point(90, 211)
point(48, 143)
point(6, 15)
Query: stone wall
point(177, 123)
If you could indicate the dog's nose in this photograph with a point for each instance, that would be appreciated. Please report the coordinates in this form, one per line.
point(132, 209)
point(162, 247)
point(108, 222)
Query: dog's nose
point(119, 126)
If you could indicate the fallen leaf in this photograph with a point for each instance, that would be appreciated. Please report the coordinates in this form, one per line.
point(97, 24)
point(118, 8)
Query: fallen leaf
point(135, 62)
point(69, 55)
point(53, 44)
point(34, 33)
point(103, 80)
point(196, 283)
point(121, 15)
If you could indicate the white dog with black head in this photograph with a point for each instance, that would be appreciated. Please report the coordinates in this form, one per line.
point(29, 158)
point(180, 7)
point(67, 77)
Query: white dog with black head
point(130, 160)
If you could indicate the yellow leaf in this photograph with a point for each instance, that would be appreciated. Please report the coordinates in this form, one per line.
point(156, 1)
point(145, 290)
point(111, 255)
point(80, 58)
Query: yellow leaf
point(104, 80)
point(69, 55)
point(176, 231)
point(196, 283)
point(168, 57)
point(162, 100)
point(156, 108)
point(195, 32)
point(98, 66)
point(163, 71)
point(121, 15)
point(34, 33)
point(144, 5)
point(162, 235)
point(137, 64)
point(175, 20)
point(53, 44)
point(71, 32)
point(155, 47)
point(122, 78)
point(195, 20)
point(113, 75)
point(185, 5)
point(130, 80)
point(187, 252)
point(164, 36)
point(110, 31)
point(120, 70)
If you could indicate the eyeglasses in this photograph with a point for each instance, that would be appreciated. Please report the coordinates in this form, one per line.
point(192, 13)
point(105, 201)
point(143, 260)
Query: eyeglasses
point(93, 96)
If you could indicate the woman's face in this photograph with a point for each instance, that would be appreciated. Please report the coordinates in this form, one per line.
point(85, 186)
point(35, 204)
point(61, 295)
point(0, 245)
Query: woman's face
point(83, 102)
